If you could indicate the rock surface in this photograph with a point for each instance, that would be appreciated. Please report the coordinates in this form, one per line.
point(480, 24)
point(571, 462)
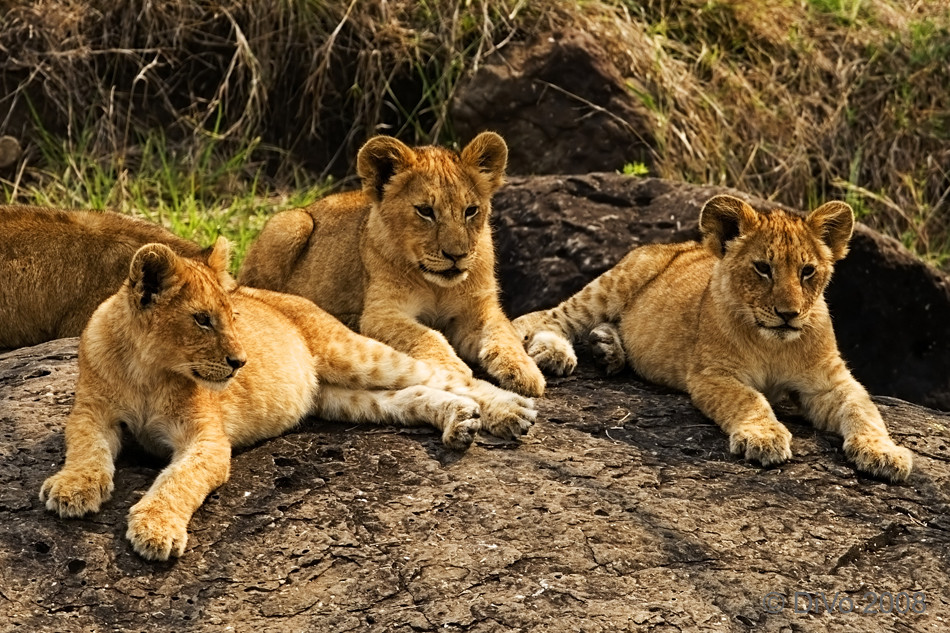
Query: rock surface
point(555, 233)
point(621, 511)
point(561, 105)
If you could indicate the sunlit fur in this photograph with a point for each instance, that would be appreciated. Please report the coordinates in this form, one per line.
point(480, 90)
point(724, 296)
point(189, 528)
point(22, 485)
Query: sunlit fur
point(57, 266)
point(409, 259)
point(194, 365)
point(735, 321)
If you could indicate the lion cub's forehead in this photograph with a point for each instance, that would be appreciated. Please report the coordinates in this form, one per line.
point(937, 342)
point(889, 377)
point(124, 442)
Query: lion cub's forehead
point(782, 236)
point(203, 291)
point(438, 173)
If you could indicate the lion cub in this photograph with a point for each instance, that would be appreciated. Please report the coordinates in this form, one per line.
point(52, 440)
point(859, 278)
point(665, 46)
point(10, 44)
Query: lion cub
point(409, 259)
point(57, 266)
point(732, 321)
point(193, 366)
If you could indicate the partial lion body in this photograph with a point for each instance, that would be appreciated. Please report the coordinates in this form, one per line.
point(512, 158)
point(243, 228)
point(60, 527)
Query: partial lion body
point(736, 322)
point(194, 367)
point(409, 259)
point(57, 266)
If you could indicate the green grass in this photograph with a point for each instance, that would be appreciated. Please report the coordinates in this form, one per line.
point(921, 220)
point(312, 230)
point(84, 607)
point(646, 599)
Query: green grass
point(210, 190)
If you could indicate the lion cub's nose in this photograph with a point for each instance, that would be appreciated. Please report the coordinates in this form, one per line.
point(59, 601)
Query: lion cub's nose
point(454, 257)
point(786, 316)
point(236, 363)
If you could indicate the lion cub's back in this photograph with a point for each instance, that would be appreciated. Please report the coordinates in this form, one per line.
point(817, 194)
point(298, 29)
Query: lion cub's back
point(660, 322)
point(57, 266)
point(314, 252)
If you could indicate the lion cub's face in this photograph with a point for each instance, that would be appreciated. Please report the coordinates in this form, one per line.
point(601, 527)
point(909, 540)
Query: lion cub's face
point(182, 310)
point(434, 203)
point(775, 266)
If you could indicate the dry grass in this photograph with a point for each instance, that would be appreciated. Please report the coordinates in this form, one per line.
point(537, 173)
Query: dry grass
point(798, 101)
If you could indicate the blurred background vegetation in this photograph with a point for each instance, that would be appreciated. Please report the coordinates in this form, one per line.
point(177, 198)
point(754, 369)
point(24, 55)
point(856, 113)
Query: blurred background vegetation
point(208, 116)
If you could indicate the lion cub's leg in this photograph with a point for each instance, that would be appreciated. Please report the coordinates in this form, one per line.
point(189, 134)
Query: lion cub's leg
point(840, 404)
point(548, 335)
point(456, 416)
point(402, 332)
point(93, 438)
point(607, 348)
point(487, 337)
point(201, 461)
point(346, 359)
point(744, 414)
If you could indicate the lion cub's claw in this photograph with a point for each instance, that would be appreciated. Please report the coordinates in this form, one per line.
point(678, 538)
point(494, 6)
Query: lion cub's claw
point(607, 348)
point(767, 444)
point(552, 353)
point(460, 423)
point(880, 457)
point(71, 493)
point(156, 533)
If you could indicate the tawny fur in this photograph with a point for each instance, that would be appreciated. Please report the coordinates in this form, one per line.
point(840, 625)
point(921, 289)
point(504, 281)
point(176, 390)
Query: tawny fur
point(56, 267)
point(735, 321)
point(195, 366)
point(409, 259)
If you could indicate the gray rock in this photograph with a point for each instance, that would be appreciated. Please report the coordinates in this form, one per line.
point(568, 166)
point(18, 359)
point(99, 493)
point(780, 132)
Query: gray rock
point(621, 511)
point(555, 233)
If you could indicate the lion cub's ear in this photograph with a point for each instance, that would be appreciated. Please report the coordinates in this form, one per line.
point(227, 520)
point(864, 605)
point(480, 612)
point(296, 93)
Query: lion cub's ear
point(833, 223)
point(487, 153)
point(723, 219)
point(219, 258)
point(378, 160)
point(153, 274)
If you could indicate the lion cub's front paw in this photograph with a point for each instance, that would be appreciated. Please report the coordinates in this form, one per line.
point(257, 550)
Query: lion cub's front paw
point(767, 443)
point(460, 422)
point(553, 353)
point(155, 531)
point(505, 414)
point(72, 493)
point(607, 348)
point(880, 456)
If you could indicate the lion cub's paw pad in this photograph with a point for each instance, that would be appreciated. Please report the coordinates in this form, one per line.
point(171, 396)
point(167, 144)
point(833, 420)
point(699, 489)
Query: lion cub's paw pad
point(552, 353)
point(73, 494)
point(880, 457)
point(156, 534)
point(607, 348)
point(461, 423)
point(767, 445)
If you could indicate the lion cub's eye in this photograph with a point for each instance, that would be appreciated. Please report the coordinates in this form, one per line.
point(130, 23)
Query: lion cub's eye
point(203, 319)
point(471, 212)
point(425, 211)
point(763, 269)
point(807, 271)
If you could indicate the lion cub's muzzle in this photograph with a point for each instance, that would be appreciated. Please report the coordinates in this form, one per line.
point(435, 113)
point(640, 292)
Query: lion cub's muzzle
point(783, 324)
point(220, 373)
point(450, 269)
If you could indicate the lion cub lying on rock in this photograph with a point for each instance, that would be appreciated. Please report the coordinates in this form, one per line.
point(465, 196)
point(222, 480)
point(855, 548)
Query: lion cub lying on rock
point(193, 366)
point(56, 267)
point(409, 259)
point(732, 321)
